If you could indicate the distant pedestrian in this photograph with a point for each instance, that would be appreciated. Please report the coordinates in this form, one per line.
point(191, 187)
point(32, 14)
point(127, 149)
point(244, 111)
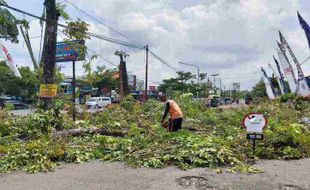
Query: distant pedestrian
point(176, 115)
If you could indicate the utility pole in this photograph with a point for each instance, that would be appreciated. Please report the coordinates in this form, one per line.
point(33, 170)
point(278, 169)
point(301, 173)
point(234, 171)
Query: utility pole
point(49, 51)
point(134, 85)
point(28, 44)
point(124, 88)
point(220, 87)
point(146, 71)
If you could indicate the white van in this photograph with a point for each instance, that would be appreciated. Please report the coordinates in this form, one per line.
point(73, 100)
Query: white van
point(98, 102)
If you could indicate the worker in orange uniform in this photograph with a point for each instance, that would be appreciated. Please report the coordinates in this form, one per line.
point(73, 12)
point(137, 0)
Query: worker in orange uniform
point(176, 115)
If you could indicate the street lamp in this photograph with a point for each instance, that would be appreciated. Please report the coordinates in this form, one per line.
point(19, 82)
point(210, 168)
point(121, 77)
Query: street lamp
point(198, 71)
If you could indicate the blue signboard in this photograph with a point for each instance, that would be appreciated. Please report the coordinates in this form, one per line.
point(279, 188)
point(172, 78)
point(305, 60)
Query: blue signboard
point(70, 51)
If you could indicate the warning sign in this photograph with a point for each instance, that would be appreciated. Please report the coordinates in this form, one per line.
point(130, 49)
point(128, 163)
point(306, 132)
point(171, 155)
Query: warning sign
point(255, 122)
point(48, 90)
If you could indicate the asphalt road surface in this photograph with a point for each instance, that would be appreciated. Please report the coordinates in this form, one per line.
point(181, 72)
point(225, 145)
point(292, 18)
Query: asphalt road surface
point(22, 112)
point(25, 112)
point(278, 175)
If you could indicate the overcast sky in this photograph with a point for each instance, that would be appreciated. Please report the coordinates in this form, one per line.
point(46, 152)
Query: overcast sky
point(230, 37)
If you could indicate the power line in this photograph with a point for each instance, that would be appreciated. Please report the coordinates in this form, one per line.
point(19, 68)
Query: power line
point(163, 61)
point(102, 57)
point(99, 21)
point(102, 37)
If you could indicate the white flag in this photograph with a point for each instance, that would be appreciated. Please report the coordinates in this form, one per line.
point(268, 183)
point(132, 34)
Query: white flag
point(302, 86)
point(288, 71)
point(268, 85)
point(277, 77)
point(8, 60)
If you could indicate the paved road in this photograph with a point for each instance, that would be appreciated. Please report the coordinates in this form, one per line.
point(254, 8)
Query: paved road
point(25, 112)
point(22, 112)
point(278, 175)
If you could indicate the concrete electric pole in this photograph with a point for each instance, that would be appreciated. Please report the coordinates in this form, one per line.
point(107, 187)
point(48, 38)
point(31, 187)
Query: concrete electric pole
point(123, 78)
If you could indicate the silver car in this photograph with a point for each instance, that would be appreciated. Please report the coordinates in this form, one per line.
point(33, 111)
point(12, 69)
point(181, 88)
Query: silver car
point(98, 102)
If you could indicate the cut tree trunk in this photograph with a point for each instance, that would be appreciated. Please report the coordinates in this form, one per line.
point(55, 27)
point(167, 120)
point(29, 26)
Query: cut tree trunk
point(82, 132)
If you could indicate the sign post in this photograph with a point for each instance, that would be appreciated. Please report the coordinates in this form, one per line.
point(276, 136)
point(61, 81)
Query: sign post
point(71, 51)
point(254, 123)
point(73, 93)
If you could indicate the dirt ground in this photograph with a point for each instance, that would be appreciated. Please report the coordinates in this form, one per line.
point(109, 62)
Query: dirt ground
point(278, 175)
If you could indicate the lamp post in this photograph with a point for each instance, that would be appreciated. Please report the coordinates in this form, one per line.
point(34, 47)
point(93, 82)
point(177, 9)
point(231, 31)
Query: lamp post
point(198, 71)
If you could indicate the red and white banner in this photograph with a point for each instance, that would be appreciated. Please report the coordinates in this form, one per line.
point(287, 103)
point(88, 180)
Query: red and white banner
point(302, 85)
point(288, 70)
point(8, 60)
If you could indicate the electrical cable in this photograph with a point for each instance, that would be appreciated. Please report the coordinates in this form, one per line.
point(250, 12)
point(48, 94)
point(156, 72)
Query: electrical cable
point(99, 21)
point(102, 37)
point(41, 37)
point(163, 61)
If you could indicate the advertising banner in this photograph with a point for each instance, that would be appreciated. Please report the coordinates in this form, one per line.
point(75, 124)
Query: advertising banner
point(288, 71)
point(268, 85)
point(302, 86)
point(70, 51)
point(8, 60)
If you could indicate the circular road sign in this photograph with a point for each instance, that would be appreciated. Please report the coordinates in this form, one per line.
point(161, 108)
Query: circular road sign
point(255, 122)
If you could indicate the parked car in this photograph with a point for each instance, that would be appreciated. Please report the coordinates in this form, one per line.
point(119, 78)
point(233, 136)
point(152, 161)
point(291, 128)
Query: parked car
point(248, 100)
point(16, 103)
point(215, 102)
point(228, 101)
point(98, 102)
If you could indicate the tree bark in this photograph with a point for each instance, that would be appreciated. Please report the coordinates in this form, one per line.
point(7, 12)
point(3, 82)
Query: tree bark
point(49, 49)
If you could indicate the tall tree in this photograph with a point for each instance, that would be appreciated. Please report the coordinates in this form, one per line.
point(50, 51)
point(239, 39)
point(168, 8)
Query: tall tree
point(259, 90)
point(8, 25)
point(49, 50)
point(181, 83)
point(25, 87)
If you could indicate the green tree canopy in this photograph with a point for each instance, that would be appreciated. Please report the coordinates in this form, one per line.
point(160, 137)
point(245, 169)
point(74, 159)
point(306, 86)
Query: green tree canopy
point(25, 87)
point(259, 90)
point(181, 83)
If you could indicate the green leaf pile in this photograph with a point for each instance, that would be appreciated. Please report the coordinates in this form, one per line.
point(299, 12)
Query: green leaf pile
point(217, 141)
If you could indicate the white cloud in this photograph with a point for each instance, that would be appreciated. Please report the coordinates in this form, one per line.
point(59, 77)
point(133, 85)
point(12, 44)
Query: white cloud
point(230, 37)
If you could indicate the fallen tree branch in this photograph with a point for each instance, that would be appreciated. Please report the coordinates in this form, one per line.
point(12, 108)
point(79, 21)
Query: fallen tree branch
point(94, 130)
point(195, 129)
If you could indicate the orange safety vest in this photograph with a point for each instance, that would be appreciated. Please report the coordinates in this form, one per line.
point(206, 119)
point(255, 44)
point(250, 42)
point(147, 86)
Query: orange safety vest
point(174, 110)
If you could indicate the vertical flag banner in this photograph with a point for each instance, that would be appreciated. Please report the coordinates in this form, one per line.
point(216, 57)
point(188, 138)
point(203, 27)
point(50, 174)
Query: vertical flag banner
point(302, 85)
point(277, 77)
point(288, 69)
point(305, 26)
point(284, 86)
point(268, 85)
point(8, 60)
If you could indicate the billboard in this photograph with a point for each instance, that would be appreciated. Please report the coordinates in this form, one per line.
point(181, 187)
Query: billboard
point(70, 51)
point(152, 88)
